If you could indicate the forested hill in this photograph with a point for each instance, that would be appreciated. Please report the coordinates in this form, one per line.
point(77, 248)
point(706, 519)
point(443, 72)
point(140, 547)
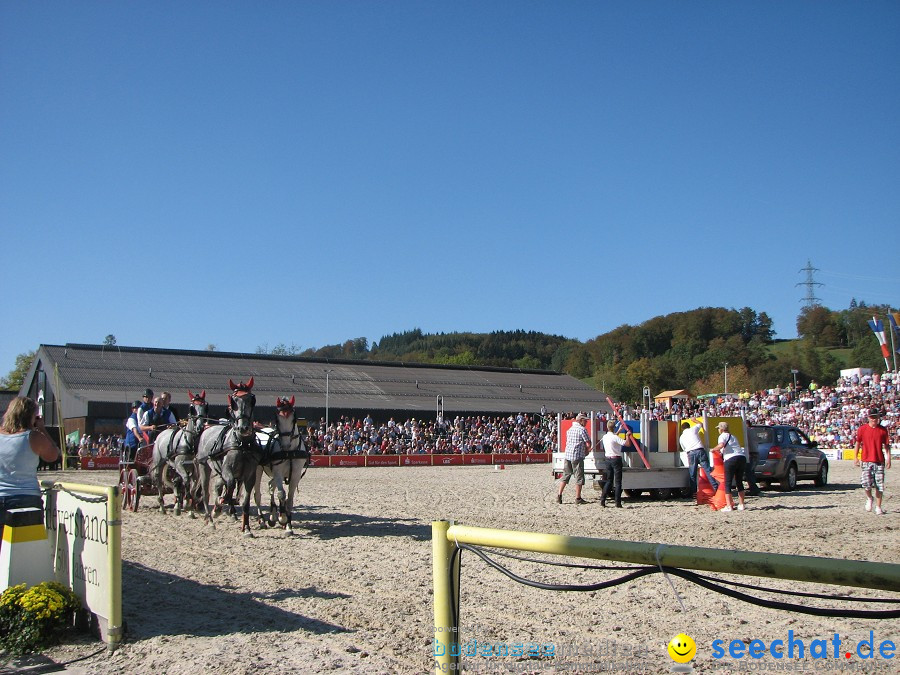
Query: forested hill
point(684, 350)
point(672, 351)
point(507, 349)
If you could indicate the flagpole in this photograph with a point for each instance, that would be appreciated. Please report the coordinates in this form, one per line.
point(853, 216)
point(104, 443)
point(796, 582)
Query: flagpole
point(893, 324)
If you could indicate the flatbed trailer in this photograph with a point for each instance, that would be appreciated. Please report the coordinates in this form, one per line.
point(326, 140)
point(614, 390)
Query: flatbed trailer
point(664, 478)
point(668, 473)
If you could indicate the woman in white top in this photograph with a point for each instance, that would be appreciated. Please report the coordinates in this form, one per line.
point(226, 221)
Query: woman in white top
point(735, 458)
point(23, 441)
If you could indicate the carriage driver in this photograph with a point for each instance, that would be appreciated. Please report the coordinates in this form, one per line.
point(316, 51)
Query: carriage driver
point(157, 418)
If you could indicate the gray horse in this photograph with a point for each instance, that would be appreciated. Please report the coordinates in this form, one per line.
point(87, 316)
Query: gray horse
point(284, 460)
point(175, 449)
point(231, 451)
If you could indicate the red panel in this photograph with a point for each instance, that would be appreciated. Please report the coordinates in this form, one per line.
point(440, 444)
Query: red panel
point(415, 460)
point(564, 426)
point(537, 457)
point(346, 460)
point(383, 460)
point(446, 460)
point(318, 460)
point(477, 459)
point(94, 463)
point(507, 458)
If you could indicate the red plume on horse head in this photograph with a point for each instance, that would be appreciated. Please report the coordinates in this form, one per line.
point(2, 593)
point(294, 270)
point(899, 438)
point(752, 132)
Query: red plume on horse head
point(240, 388)
point(197, 398)
point(283, 403)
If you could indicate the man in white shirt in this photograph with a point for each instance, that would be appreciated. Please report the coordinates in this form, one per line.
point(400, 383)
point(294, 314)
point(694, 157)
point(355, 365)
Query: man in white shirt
point(612, 450)
point(697, 454)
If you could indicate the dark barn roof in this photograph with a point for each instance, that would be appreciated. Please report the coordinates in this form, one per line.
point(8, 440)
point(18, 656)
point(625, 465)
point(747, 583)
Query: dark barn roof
point(91, 375)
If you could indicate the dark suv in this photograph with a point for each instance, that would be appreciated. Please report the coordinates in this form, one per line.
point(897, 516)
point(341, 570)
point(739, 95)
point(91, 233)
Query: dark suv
point(786, 455)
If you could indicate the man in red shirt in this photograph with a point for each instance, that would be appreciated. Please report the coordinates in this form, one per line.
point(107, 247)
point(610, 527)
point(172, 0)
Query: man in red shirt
point(874, 458)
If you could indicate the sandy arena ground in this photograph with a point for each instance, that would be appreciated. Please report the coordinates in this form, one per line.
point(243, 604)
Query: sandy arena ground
point(352, 592)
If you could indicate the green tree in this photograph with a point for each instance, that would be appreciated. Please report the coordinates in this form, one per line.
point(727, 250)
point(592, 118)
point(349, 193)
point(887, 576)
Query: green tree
point(109, 340)
point(16, 376)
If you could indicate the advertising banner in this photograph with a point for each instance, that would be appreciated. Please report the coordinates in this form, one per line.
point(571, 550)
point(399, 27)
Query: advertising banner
point(347, 460)
point(96, 463)
point(383, 460)
point(410, 460)
point(84, 531)
point(446, 460)
point(415, 460)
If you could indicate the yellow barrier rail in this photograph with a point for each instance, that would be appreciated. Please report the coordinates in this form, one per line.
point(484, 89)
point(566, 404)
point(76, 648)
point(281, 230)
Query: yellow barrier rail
point(445, 567)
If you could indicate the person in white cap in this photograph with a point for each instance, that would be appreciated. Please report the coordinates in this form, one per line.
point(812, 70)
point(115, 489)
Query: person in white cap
point(735, 458)
point(578, 443)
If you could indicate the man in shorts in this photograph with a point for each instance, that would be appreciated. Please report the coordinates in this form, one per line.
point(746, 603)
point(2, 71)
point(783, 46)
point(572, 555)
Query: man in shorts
point(873, 453)
point(578, 443)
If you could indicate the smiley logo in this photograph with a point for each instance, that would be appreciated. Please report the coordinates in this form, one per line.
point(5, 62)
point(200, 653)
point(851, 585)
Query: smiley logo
point(682, 648)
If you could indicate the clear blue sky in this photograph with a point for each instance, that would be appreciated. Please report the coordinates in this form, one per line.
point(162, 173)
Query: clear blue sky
point(256, 173)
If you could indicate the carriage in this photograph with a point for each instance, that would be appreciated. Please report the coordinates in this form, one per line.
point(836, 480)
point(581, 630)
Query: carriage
point(188, 460)
point(135, 479)
point(162, 467)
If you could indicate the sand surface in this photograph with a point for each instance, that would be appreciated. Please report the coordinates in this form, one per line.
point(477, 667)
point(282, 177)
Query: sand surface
point(352, 591)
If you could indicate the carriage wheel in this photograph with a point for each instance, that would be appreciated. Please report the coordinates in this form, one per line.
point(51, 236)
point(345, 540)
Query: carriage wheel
point(123, 486)
point(133, 490)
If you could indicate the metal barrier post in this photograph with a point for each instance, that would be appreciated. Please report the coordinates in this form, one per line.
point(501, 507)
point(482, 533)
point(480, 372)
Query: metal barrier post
point(445, 573)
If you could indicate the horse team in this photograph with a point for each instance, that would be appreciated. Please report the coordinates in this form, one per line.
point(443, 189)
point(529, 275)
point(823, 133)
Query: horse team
point(219, 457)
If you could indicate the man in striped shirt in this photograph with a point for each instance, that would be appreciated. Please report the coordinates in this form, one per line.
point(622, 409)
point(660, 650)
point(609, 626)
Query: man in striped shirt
point(578, 443)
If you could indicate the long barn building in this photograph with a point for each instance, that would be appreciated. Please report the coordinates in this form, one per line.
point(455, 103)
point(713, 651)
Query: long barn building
point(91, 387)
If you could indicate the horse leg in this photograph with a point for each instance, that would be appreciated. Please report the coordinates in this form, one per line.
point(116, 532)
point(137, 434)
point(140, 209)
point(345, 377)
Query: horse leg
point(228, 496)
point(274, 482)
point(292, 490)
point(189, 471)
point(158, 482)
point(282, 499)
point(180, 486)
point(247, 482)
point(204, 480)
point(257, 496)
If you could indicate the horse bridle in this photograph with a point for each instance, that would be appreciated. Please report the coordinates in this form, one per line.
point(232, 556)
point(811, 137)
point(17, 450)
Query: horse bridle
point(247, 403)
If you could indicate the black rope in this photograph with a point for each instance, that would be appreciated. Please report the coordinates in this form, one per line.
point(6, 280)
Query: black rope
point(767, 589)
point(820, 596)
point(694, 578)
point(564, 564)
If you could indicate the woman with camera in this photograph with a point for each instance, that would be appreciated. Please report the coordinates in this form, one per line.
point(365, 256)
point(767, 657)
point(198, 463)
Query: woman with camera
point(23, 442)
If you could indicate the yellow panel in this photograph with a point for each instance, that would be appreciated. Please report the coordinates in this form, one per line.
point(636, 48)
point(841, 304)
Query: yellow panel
point(25, 533)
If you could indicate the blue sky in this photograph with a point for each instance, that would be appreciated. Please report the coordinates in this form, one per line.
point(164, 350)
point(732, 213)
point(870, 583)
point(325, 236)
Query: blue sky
point(246, 174)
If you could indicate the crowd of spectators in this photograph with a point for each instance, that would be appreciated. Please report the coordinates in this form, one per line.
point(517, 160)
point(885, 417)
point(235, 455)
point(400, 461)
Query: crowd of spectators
point(101, 446)
point(460, 435)
point(829, 414)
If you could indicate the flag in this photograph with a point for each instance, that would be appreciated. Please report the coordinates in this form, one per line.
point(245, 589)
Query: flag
point(878, 329)
point(892, 318)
